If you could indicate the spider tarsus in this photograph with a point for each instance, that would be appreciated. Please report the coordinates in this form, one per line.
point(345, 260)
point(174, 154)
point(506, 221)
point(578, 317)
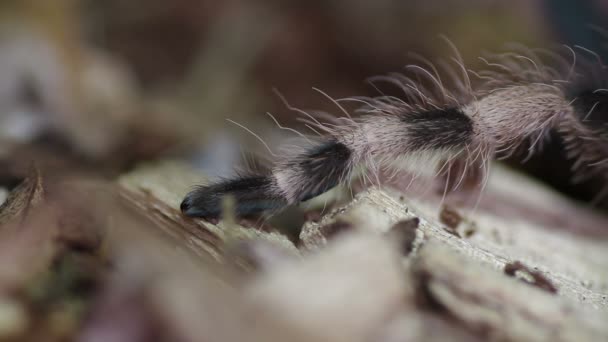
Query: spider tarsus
point(252, 194)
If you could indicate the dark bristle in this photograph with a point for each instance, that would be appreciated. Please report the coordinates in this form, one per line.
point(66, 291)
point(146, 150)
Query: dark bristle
point(253, 195)
point(585, 133)
point(324, 167)
point(436, 129)
point(591, 107)
point(588, 95)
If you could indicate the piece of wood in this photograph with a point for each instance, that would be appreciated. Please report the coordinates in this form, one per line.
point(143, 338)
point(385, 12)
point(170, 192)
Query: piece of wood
point(451, 284)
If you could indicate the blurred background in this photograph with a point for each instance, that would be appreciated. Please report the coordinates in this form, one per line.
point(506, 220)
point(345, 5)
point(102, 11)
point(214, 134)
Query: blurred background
point(99, 86)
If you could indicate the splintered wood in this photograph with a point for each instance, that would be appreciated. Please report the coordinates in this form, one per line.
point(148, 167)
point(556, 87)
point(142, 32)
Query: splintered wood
point(101, 261)
point(384, 268)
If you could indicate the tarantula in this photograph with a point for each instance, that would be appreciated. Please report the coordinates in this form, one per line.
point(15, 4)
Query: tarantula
point(519, 98)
